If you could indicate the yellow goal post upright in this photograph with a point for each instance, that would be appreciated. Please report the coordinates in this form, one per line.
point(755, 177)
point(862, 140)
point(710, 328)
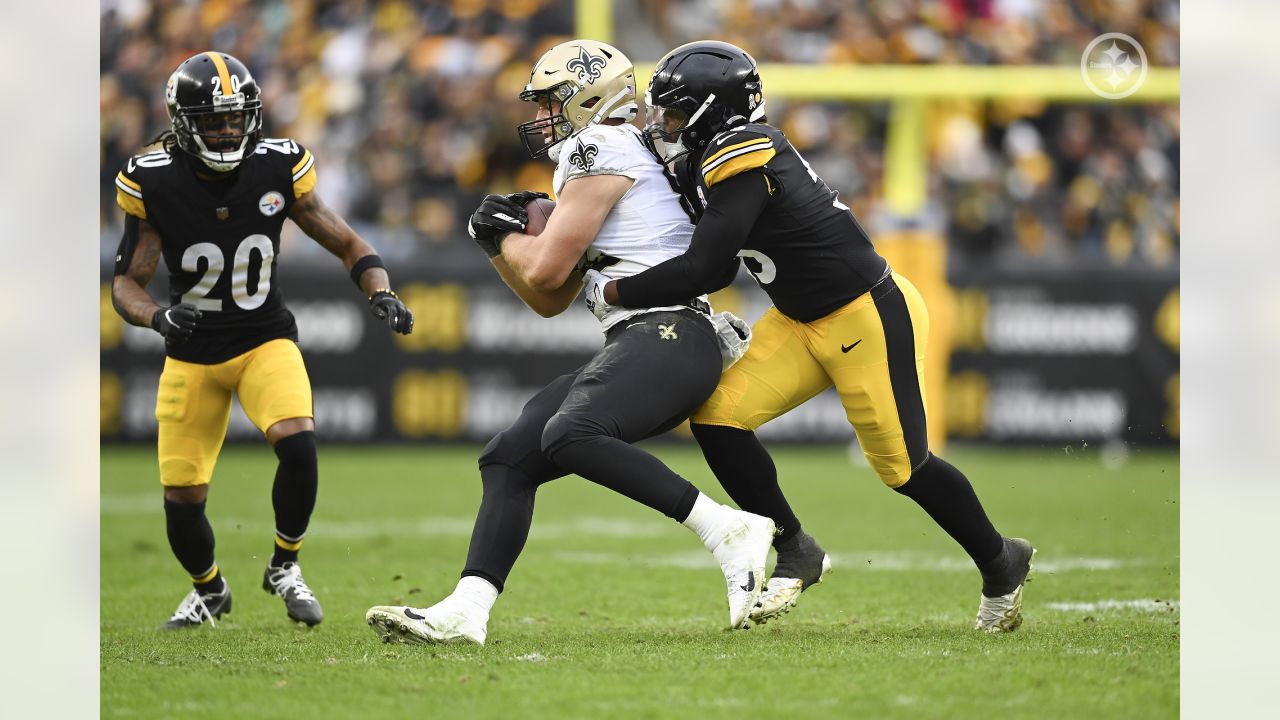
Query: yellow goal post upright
point(911, 90)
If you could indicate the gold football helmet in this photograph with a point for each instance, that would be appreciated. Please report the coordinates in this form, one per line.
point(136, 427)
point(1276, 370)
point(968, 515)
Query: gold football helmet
point(589, 80)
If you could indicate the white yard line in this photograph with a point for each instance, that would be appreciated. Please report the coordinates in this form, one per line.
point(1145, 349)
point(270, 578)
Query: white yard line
point(592, 526)
point(905, 561)
point(1147, 606)
point(429, 526)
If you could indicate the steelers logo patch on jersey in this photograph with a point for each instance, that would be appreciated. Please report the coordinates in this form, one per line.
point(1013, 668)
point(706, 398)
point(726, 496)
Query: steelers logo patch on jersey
point(271, 203)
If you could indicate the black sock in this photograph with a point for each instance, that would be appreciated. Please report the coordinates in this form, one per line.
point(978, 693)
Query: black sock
point(191, 538)
point(945, 493)
point(747, 473)
point(294, 493)
point(502, 523)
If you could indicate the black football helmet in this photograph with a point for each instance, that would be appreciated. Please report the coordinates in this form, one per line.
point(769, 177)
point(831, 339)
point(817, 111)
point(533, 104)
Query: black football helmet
point(215, 107)
point(697, 90)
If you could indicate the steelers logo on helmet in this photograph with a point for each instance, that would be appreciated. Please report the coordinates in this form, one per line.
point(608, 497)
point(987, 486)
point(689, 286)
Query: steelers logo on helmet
point(576, 84)
point(215, 108)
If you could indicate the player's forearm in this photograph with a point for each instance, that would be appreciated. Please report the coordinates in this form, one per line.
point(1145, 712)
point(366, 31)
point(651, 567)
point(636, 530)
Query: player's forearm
point(327, 228)
point(532, 262)
point(547, 303)
point(374, 279)
point(132, 301)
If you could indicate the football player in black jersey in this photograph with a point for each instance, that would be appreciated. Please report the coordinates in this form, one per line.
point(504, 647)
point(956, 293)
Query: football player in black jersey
point(585, 421)
point(212, 201)
point(841, 317)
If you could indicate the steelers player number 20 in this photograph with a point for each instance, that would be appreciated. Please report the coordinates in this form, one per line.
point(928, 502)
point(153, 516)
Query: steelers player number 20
point(198, 295)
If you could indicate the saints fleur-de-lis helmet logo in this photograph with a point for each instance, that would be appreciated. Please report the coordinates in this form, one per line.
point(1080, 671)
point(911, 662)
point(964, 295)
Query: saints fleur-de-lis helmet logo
point(576, 84)
point(584, 156)
point(586, 66)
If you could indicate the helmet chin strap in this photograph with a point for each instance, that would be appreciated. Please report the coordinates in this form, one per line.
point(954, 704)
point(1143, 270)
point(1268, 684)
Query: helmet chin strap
point(668, 150)
point(226, 161)
point(553, 152)
point(220, 166)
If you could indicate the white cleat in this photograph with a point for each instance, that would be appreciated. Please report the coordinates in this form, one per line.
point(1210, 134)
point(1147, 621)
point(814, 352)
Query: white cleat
point(1003, 613)
point(782, 593)
point(436, 625)
point(1000, 614)
point(742, 550)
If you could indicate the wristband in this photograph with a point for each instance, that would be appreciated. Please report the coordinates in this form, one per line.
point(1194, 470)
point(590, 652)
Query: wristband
point(365, 263)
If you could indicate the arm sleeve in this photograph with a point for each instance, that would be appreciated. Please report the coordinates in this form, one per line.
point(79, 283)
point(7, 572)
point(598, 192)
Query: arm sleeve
point(711, 261)
point(128, 243)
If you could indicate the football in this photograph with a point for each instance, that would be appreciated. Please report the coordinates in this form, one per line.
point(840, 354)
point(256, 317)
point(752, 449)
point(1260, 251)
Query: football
point(539, 213)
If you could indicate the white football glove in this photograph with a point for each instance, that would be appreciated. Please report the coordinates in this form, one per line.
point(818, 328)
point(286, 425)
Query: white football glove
point(735, 337)
point(594, 294)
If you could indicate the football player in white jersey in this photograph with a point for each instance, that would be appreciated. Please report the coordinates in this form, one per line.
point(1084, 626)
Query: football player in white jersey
point(617, 214)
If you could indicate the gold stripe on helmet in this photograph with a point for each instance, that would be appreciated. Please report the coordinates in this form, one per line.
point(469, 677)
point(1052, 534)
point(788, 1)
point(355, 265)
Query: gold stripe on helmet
point(223, 73)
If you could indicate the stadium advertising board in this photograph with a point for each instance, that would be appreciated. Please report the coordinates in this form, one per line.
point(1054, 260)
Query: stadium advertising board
point(1053, 358)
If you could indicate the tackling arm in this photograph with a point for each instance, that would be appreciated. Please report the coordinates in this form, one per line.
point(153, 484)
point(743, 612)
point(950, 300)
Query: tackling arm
point(136, 262)
point(711, 260)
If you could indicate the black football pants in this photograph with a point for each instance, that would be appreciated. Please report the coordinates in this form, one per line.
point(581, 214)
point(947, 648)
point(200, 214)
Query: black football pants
point(652, 373)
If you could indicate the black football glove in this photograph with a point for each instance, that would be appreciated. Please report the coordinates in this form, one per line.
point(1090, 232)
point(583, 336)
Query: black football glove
point(176, 323)
point(497, 217)
point(524, 197)
point(386, 305)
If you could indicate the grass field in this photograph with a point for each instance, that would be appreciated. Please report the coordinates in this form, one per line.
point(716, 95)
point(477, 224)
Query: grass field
point(615, 611)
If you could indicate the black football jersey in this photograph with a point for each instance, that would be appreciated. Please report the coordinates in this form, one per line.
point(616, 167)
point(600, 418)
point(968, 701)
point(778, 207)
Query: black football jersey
point(222, 249)
point(806, 250)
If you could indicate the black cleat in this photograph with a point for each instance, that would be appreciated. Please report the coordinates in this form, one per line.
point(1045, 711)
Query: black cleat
point(195, 609)
point(286, 581)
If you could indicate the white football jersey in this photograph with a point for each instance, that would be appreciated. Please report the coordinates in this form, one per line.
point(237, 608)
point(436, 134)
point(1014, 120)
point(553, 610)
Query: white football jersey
point(647, 225)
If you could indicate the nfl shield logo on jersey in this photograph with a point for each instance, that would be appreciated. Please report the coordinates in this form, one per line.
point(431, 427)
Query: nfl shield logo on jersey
point(271, 203)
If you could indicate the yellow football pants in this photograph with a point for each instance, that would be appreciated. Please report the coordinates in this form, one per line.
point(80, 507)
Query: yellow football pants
point(193, 405)
point(872, 350)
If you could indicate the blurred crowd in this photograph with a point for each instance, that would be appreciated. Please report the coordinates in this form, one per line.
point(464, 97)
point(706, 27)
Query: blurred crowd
point(410, 109)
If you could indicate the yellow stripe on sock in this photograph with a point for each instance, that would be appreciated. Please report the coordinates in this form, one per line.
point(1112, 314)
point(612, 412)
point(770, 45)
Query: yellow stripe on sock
point(208, 577)
point(286, 545)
